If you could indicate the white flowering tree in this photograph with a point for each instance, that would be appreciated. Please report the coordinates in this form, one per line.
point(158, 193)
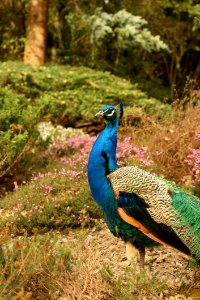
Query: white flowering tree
point(124, 31)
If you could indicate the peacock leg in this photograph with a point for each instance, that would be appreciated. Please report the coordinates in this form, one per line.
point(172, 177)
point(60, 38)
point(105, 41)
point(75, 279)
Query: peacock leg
point(131, 251)
point(141, 257)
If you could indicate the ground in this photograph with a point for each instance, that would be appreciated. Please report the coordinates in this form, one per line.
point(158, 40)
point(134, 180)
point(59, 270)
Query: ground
point(163, 265)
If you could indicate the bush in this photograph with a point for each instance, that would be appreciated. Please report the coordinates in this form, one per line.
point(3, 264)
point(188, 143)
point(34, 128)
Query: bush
point(65, 95)
point(126, 31)
point(173, 146)
point(84, 89)
point(59, 197)
point(17, 121)
point(47, 204)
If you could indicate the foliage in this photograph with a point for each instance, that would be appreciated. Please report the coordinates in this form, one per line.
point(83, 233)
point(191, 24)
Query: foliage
point(59, 197)
point(17, 121)
point(125, 30)
point(31, 264)
point(178, 24)
point(69, 31)
point(49, 203)
point(123, 44)
point(65, 95)
point(72, 90)
point(12, 29)
point(193, 160)
point(174, 147)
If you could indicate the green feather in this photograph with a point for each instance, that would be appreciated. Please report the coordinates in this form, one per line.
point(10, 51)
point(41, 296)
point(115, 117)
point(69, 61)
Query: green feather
point(188, 211)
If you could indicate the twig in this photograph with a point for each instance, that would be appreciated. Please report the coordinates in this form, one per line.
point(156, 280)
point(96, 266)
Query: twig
point(15, 160)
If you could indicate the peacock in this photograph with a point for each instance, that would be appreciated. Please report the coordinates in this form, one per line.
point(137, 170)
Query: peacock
point(141, 208)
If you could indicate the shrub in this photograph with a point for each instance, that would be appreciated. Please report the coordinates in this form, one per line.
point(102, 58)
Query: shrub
point(172, 145)
point(75, 92)
point(49, 203)
point(17, 121)
point(193, 160)
point(65, 95)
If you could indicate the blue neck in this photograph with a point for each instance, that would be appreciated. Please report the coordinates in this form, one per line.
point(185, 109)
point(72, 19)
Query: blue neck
point(102, 161)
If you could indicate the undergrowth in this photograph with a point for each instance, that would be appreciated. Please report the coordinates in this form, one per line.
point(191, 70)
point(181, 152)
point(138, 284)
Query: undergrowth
point(172, 145)
point(29, 267)
point(59, 197)
point(64, 95)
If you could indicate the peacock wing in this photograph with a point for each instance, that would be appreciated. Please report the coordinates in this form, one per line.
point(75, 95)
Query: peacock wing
point(155, 193)
point(146, 202)
point(134, 211)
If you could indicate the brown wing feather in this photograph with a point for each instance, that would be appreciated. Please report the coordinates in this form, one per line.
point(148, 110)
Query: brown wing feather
point(143, 229)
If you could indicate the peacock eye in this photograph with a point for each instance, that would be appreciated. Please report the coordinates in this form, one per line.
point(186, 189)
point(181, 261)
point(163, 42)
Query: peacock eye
point(110, 112)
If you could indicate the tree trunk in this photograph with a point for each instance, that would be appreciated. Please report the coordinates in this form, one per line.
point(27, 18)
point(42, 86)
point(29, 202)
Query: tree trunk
point(35, 47)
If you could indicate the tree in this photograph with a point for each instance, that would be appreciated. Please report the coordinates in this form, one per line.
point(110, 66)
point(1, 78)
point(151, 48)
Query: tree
point(178, 24)
point(35, 46)
point(123, 37)
point(12, 31)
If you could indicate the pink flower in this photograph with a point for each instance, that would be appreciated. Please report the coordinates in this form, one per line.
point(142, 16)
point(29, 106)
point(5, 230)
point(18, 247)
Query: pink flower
point(197, 136)
point(193, 160)
point(73, 174)
point(46, 188)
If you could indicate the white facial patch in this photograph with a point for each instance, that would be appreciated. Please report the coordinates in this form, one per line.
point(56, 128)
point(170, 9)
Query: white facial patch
point(111, 114)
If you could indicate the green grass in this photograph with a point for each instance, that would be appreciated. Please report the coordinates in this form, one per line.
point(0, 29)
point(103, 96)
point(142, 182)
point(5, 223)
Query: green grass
point(28, 210)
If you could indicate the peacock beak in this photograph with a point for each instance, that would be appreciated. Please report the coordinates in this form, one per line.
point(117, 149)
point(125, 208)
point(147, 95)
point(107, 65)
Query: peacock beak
point(99, 113)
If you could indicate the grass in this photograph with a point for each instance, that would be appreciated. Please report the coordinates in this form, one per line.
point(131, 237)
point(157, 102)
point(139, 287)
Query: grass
point(29, 211)
point(31, 266)
point(56, 265)
point(170, 144)
point(48, 266)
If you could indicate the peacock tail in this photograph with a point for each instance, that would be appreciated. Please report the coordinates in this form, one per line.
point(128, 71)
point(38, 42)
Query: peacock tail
point(187, 207)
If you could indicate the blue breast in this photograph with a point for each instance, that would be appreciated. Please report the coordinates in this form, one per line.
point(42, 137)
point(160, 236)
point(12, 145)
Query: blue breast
point(102, 161)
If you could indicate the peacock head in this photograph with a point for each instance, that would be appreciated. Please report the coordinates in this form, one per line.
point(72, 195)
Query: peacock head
point(111, 112)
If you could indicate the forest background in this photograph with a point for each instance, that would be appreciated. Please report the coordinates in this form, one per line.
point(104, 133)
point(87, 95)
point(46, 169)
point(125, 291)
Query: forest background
point(73, 38)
